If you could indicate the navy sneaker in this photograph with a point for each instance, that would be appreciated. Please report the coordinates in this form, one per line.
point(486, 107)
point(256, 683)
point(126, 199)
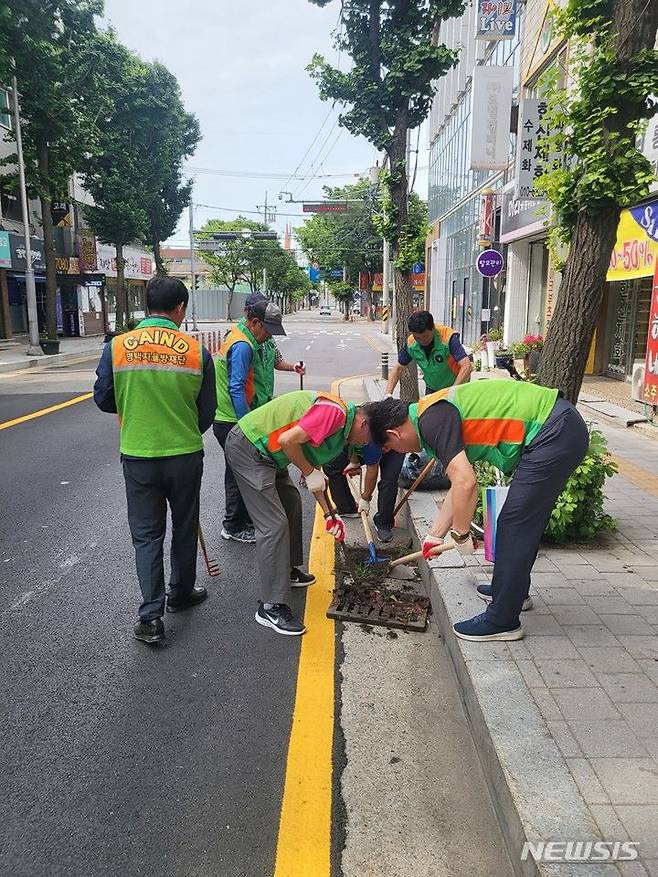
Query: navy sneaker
point(485, 592)
point(248, 535)
point(280, 618)
point(384, 534)
point(300, 579)
point(480, 630)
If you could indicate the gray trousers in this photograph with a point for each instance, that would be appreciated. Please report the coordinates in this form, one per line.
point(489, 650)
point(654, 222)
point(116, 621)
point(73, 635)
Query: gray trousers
point(151, 483)
point(275, 507)
point(545, 466)
point(236, 516)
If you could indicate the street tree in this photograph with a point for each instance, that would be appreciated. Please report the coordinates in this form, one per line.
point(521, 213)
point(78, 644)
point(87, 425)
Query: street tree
point(174, 137)
point(236, 261)
point(396, 63)
point(614, 80)
point(51, 47)
point(287, 283)
point(349, 239)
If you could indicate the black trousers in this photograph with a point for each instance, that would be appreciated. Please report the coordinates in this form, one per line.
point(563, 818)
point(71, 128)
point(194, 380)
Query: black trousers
point(387, 489)
point(545, 467)
point(151, 483)
point(236, 516)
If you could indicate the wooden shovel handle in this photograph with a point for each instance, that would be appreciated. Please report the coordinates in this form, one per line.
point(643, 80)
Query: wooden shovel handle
point(418, 480)
point(418, 554)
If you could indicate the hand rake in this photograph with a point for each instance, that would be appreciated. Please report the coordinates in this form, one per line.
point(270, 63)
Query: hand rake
point(211, 565)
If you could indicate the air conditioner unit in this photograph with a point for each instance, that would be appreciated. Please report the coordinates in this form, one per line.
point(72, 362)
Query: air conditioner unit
point(637, 386)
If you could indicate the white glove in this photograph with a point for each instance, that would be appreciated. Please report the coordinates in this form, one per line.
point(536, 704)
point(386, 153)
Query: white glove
point(387, 396)
point(364, 505)
point(464, 548)
point(316, 481)
point(300, 368)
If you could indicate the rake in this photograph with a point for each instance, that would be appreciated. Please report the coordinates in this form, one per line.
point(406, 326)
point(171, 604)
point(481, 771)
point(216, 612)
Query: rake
point(211, 565)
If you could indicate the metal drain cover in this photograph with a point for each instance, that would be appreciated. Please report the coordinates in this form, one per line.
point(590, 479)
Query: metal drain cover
point(408, 611)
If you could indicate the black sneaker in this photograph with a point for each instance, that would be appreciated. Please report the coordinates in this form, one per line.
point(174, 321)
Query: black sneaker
point(280, 618)
point(186, 601)
point(299, 579)
point(384, 534)
point(149, 631)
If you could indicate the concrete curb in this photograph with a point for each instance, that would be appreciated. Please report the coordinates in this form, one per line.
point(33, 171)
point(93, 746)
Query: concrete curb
point(534, 795)
point(49, 361)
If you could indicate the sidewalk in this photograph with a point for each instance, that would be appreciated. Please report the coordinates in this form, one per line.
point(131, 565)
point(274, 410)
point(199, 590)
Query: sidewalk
point(13, 354)
point(566, 720)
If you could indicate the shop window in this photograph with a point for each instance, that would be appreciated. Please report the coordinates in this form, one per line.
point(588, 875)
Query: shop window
point(5, 109)
point(537, 280)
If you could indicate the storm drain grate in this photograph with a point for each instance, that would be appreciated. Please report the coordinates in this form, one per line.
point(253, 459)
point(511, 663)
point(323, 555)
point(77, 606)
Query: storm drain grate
point(406, 611)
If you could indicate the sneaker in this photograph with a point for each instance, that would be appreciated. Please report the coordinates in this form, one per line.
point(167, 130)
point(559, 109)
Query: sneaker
point(348, 515)
point(384, 534)
point(299, 579)
point(480, 630)
point(149, 631)
point(186, 601)
point(280, 618)
point(248, 535)
point(485, 592)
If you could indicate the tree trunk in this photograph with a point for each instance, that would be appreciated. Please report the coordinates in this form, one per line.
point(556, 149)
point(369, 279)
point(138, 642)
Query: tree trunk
point(121, 306)
point(157, 256)
point(579, 300)
point(231, 293)
point(569, 337)
point(48, 241)
point(399, 189)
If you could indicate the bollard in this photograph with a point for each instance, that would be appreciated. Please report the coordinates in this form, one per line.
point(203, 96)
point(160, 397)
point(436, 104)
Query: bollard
point(384, 366)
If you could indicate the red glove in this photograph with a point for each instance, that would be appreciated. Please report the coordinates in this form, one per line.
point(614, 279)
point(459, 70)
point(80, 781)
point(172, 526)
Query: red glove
point(300, 368)
point(335, 526)
point(428, 543)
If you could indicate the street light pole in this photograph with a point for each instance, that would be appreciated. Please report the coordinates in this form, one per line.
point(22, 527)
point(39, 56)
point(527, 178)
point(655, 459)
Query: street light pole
point(192, 266)
point(30, 287)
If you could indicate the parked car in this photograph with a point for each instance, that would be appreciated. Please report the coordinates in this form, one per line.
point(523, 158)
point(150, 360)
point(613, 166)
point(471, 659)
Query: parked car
point(325, 311)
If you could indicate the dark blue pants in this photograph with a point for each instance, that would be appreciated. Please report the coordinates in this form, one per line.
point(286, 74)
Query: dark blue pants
point(545, 467)
point(387, 489)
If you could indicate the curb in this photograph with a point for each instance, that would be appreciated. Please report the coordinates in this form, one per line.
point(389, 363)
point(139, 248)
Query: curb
point(49, 361)
point(534, 795)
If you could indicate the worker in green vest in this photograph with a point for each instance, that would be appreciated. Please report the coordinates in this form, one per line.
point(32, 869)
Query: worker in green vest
point(307, 429)
point(522, 429)
point(161, 383)
point(436, 350)
point(244, 373)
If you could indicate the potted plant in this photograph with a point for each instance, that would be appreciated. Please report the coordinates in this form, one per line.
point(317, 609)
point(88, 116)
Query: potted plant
point(49, 346)
point(535, 345)
point(493, 339)
point(504, 358)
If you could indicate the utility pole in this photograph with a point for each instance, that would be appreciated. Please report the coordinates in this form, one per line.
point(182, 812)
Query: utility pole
point(386, 285)
point(264, 268)
point(30, 287)
point(192, 266)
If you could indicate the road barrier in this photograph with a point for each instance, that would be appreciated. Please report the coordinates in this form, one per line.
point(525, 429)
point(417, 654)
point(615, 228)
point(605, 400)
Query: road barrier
point(210, 338)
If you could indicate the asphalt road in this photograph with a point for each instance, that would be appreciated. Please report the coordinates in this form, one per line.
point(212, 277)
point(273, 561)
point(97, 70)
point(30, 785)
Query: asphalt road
point(119, 759)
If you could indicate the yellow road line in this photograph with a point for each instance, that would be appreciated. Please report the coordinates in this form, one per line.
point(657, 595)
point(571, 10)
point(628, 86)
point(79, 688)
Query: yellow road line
point(636, 475)
point(376, 344)
point(304, 843)
point(43, 411)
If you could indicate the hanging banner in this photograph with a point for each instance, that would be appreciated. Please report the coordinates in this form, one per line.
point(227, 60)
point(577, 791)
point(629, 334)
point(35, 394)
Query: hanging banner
point(487, 206)
point(87, 251)
point(495, 19)
point(5, 250)
point(635, 253)
point(490, 118)
point(533, 156)
point(650, 389)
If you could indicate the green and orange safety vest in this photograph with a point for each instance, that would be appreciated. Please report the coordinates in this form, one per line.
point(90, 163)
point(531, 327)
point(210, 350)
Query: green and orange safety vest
point(157, 372)
point(263, 426)
point(439, 368)
point(259, 388)
point(499, 418)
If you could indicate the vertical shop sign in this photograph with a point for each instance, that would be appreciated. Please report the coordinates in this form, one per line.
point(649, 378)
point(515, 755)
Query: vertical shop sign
point(650, 390)
point(533, 154)
point(490, 119)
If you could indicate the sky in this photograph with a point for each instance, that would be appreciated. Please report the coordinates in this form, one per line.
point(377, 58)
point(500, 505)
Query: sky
point(240, 66)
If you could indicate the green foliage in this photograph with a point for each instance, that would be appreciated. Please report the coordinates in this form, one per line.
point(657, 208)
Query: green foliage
point(596, 123)
point(578, 513)
point(240, 260)
point(410, 237)
point(344, 292)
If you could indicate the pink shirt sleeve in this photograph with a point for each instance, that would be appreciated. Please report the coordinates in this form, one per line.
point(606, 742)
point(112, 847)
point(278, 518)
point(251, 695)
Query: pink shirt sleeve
point(321, 420)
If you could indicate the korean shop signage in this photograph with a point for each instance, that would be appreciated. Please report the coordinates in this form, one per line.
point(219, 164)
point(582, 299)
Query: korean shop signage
point(495, 19)
point(533, 154)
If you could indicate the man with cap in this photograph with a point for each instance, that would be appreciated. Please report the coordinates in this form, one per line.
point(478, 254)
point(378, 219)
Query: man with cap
point(244, 375)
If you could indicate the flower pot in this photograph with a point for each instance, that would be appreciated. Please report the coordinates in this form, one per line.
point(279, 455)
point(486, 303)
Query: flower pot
point(492, 347)
point(484, 359)
point(49, 347)
point(504, 360)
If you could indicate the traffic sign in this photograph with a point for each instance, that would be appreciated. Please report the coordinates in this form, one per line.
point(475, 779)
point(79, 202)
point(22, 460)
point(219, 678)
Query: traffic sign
point(418, 268)
point(325, 207)
point(489, 263)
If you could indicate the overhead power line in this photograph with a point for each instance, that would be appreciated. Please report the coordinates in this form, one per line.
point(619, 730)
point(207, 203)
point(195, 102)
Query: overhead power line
point(263, 175)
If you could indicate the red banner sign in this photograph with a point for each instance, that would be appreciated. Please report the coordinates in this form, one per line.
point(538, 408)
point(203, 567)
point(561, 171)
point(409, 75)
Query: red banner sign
point(650, 391)
point(325, 207)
